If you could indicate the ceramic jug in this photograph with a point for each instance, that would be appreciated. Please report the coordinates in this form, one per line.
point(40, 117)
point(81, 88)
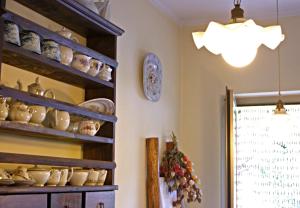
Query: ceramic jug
point(66, 175)
point(54, 178)
point(81, 62)
point(20, 112)
point(66, 53)
point(4, 107)
point(89, 127)
point(59, 120)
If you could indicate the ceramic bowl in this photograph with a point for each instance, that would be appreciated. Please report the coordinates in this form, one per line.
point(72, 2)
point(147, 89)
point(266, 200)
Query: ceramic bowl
point(79, 177)
point(39, 175)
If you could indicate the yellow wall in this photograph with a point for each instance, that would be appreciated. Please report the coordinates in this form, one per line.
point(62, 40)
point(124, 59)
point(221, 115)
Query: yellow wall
point(203, 80)
point(146, 31)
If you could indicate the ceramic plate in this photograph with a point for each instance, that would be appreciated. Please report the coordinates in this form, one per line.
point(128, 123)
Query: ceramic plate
point(24, 182)
point(6, 182)
point(99, 105)
point(152, 77)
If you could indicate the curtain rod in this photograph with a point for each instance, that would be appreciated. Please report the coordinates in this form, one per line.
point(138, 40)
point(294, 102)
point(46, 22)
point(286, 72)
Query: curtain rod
point(266, 94)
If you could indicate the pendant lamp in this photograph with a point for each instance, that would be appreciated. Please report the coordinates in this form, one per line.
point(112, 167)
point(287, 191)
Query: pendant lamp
point(238, 41)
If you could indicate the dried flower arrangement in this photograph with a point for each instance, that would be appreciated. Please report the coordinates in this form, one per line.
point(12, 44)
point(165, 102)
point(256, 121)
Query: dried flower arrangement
point(177, 170)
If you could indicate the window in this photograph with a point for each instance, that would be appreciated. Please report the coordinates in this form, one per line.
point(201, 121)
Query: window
point(266, 158)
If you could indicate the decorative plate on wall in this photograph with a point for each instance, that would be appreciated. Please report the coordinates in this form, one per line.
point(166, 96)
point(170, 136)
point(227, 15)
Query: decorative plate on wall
point(152, 77)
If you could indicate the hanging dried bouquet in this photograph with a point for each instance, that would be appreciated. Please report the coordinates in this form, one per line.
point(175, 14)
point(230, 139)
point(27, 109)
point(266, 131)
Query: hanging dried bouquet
point(177, 170)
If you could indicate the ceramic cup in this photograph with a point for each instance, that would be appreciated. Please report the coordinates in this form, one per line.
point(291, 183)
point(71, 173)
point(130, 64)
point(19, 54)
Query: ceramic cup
point(95, 67)
point(54, 178)
point(66, 175)
point(66, 55)
point(79, 177)
point(31, 41)
point(4, 174)
point(38, 114)
point(4, 107)
point(102, 177)
point(81, 62)
point(51, 49)
point(11, 33)
point(59, 120)
point(105, 73)
point(21, 174)
point(92, 178)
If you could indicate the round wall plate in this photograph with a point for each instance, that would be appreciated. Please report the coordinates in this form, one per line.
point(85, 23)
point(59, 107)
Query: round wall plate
point(152, 77)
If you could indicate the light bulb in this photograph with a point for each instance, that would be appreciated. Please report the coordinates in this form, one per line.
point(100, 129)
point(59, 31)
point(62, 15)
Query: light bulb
point(239, 58)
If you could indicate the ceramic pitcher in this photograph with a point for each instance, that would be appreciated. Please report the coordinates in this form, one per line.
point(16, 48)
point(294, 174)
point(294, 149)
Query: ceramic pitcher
point(59, 120)
point(3, 109)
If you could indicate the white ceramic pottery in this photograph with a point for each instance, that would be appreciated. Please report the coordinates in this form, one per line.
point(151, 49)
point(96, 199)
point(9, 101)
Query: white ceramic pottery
point(38, 114)
point(89, 127)
point(51, 49)
point(4, 107)
point(66, 55)
point(90, 4)
point(4, 174)
point(81, 62)
point(54, 178)
point(31, 41)
point(11, 33)
point(39, 175)
point(66, 175)
point(20, 112)
point(59, 120)
point(105, 73)
point(92, 178)
point(79, 177)
point(95, 67)
point(37, 89)
point(21, 174)
point(102, 177)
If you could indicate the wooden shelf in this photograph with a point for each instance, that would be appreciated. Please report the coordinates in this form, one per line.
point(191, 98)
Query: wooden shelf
point(43, 132)
point(21, 58)
point(32, 190)
point(39, 100)
point(54, 161)
point(73, 15)
point(47, 34)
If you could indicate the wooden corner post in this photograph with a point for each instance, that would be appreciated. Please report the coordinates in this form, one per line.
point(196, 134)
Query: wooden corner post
point(152, 173)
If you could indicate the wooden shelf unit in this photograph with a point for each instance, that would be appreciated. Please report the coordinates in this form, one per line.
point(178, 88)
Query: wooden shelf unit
point(98, 151)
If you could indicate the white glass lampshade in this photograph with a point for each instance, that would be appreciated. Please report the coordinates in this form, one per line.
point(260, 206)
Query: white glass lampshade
point(238, 42)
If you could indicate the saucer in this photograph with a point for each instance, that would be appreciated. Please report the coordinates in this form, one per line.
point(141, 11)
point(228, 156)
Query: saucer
point(6, 182)
point(24, 182)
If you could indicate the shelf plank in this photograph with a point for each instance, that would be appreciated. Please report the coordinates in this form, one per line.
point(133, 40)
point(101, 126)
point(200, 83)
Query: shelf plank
point(36, 131)
point(39, 100)
point(54, 161)
point(24, 59)
point(47, 34)
point(73, 15)
point(47, 189)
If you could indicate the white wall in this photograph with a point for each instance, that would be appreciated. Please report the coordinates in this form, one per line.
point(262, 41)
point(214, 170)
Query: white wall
point(203, 80)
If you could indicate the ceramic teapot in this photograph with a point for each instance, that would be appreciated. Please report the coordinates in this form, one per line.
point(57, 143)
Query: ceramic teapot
point(4, 107)
point(59, 120)
point(20, 112)
point(37, 89)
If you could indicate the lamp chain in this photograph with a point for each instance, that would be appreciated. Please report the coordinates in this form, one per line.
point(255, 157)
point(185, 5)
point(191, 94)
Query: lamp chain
point(278, 53)
point(237, 2)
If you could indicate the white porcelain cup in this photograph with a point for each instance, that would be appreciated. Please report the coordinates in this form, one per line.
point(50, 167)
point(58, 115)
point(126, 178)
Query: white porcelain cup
point(102, 177)
point(54, 178)
point(92, 178)
point(79, 177)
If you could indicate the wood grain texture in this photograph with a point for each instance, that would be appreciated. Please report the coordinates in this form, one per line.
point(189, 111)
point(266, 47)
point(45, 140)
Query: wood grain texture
point(153, 200)
point(40, 100)
point(73, 15)
point(54, 161)
point(66, 200)
point(24, 201)
point(47, 189)
point(100, 200)
point(48, 133)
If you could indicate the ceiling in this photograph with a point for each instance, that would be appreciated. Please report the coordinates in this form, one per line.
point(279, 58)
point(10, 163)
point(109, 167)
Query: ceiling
point(193, 12)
